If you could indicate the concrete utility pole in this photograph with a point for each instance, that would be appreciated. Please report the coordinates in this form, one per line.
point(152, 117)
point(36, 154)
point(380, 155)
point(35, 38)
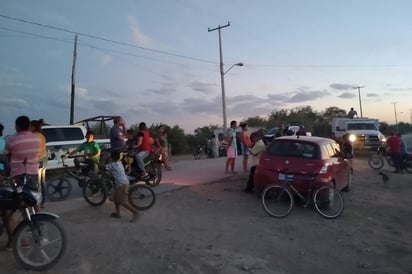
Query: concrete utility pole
point(360, 101)
point(396, 116)
point(73, 81)
point(410, 114)
point(222, 75)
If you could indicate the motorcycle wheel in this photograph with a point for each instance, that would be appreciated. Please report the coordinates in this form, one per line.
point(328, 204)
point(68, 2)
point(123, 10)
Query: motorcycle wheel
point(197, 156)
point(141, 196)
point(155, 174)
point(40, 244)
point(375, 162)
point(408, 165)
point(94, 192)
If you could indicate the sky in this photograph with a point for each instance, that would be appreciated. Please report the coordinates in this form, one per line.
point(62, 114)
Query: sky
point(156, 60)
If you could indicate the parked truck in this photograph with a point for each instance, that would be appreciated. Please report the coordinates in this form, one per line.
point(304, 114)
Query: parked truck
point(364, 132)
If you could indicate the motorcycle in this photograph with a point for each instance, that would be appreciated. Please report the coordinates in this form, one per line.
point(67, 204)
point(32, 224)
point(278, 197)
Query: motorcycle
point(377, 161)
point(38, 241)
point(153, 165)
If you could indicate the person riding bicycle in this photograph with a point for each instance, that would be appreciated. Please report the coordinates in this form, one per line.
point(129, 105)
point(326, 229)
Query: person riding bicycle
point(143, 147)
point(91, 153)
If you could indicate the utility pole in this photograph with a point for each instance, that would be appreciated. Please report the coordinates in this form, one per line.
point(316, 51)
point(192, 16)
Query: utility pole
point(396, 116)
point(360, 101)
point(73, 81)
point(222, 75)
point(410, 114)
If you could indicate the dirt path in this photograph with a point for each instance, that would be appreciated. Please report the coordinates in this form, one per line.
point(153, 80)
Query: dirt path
point(216, 228)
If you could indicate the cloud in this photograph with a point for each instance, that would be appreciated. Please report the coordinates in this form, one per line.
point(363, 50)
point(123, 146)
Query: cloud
point(341, 86)
point(347, 95)
point(372, 95)
point(13, 103)
point(206, 88)
point(304, 96)
point(139, 37)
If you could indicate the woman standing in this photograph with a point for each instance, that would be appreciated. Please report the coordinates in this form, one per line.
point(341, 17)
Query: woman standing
point(245, 145)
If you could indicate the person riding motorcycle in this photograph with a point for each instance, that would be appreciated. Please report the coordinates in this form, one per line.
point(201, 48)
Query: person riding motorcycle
point(143, 147)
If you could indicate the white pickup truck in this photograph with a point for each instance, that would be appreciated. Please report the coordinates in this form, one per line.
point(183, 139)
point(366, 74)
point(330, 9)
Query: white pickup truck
point(63, 139)
point(364, 132)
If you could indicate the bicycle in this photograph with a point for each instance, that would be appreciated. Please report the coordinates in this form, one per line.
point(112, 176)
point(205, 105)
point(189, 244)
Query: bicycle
point(278, 201)
point(58, 189)
point(38, 241)
point(98, 189)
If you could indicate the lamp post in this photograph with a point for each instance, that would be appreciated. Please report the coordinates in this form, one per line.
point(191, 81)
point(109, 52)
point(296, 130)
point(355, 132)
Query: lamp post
point(222, 81)
point(396, 116)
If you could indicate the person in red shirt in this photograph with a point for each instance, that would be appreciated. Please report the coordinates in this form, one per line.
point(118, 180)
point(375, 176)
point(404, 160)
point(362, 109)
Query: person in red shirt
point(393, 146)
point(143, 148)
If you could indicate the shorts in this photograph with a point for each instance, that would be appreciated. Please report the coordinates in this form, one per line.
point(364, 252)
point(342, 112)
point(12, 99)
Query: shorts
point(231, 152)
point(245, 150)
point(120, 195)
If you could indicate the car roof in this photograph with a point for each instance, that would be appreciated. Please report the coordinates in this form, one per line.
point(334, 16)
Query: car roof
point(312, 139)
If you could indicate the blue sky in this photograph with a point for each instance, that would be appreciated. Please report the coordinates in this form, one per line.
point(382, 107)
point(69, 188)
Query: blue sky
point(295, 53)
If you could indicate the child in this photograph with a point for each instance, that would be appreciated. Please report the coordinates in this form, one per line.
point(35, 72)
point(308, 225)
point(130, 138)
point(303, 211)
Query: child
point(120, 194)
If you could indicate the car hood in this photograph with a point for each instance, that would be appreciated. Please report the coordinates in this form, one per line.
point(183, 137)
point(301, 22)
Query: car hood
point(364, 132)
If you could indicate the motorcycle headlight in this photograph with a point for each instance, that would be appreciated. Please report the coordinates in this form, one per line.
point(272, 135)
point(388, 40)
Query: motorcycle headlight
point(352, 138)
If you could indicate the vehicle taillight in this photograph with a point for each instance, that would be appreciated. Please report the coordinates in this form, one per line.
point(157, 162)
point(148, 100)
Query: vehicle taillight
point(324, 169)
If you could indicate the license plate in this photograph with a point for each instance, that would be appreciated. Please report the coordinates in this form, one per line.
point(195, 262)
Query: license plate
point(283, 177)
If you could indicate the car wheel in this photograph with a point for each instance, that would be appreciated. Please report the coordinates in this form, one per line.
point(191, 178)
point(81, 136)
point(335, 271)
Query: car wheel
point(349, 182)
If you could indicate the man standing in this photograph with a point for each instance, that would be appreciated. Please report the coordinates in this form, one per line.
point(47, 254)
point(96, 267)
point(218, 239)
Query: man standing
point(22, 149)
point(352, 113)
point(245, 145)
point(231, 147)
point(118, 134)
point(393, 145)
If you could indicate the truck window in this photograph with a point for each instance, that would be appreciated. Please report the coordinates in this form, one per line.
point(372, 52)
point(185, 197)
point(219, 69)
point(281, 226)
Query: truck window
point(361, 126)
point(63, 134)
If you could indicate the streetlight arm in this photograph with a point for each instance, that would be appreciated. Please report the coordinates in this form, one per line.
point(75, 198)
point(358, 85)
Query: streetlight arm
point(238, 64)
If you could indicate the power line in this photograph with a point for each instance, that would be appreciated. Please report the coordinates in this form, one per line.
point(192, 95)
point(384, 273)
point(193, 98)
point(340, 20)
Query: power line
point(104, 39)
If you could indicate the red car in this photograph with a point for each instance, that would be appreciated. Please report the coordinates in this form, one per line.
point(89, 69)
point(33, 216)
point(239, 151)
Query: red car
point(302, 157)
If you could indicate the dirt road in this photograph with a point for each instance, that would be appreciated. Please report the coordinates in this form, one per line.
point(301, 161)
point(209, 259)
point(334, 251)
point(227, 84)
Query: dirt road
point(216, 228)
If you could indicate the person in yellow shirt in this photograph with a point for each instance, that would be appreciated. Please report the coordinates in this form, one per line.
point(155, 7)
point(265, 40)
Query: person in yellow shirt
point(258, 148)
point(36, 129)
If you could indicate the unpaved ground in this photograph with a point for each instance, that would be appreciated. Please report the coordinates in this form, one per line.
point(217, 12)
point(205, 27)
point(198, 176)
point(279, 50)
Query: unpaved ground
point(216, 228)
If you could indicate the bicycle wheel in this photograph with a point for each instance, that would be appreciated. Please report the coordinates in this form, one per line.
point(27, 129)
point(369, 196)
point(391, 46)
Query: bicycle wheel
point(375, 162)
point(94, 192)
point(328, 202)
point(141, 196)
point(39, 244)
point(58, 189)
point(277, 201)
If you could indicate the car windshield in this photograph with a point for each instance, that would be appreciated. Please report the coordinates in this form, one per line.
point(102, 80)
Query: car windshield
point(294, 149)
point(361, 126)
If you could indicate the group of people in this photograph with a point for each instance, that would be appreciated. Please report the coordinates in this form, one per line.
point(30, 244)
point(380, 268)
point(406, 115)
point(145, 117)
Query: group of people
point(251, 145)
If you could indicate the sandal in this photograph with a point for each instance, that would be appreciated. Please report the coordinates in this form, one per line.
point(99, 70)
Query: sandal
point(114, 215)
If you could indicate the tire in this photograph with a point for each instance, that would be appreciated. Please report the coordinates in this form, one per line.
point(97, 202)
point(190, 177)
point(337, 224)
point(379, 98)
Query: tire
point(58, 189)
point(155, 174)
point(328, 202)
point(348, 186)
point(141, 196)
point(197, 156)
point(375, 162)
point(408, 165)
point(40, 246)
point(277, 201)
point(95, 192)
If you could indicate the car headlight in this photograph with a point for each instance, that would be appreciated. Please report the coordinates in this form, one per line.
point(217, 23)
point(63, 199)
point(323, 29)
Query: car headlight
point(352, 138)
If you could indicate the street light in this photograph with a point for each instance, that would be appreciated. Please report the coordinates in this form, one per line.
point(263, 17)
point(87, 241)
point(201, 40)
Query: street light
point(222, 81)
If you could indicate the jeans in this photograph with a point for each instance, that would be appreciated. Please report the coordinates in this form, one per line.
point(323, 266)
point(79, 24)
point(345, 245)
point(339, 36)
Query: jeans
point(140, 156)
point(90, 162)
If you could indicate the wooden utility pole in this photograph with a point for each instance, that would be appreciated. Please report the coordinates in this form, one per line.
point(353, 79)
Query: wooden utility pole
point(73, 81)
point(222, 76)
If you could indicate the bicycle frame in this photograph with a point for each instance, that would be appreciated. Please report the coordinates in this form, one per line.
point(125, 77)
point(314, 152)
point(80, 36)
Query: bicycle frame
point(287, 182)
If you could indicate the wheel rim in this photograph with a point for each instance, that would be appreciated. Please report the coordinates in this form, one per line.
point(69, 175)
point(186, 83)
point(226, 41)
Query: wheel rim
point(328, 202)
point(141, 197)
point(94, 192)
point(277, 202)
point(375, 162)
point(41, 247)
point(58, 190)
